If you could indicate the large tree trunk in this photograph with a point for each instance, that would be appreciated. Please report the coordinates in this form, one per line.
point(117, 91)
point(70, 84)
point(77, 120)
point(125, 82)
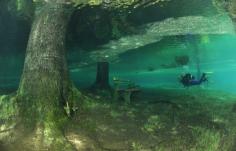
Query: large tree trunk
point(44, 87)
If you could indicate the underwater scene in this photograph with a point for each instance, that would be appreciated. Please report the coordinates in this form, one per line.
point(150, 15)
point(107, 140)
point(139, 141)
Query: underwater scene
point(117, 75)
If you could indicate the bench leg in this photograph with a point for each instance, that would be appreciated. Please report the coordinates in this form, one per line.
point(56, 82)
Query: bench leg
point(127, 96)
point(116, 96)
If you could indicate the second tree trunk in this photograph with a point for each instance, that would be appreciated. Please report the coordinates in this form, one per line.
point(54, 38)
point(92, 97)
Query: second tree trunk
point(102, 77)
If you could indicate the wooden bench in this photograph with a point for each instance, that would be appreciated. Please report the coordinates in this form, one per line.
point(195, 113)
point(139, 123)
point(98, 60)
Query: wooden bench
point(125, 93)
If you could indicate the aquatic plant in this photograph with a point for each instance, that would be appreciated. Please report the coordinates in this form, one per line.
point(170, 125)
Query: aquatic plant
point(23, 9)
point(207, 140)
point(228, 6)
point(115, 114)
point(7, 107)
point(8, 115)
point(119, 4)
point(136, 146)
point(153, 124)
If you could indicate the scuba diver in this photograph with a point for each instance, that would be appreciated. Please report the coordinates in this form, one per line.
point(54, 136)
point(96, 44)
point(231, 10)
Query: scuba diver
point(189, 80)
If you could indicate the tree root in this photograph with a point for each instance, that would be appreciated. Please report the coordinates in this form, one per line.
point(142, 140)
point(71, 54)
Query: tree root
point(43, 135)
point(31, 133)
point(49, 139)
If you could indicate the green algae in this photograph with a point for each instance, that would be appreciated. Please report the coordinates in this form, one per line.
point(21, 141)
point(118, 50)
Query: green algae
point(8, 107)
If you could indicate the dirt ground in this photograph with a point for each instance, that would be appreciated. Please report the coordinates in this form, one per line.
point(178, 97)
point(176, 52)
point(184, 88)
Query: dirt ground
point(157, 120)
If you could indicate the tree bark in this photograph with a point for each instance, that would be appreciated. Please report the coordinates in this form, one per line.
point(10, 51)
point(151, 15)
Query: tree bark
point(102, 77)
point(45, 87)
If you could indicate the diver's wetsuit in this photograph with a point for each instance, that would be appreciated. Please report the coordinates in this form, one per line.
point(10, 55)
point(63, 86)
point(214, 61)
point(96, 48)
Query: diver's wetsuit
point(195, 82)
point(188, 80)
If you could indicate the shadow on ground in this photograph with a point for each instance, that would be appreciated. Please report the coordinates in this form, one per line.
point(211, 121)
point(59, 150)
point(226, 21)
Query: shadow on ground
point(158, 120)
point(155, 120)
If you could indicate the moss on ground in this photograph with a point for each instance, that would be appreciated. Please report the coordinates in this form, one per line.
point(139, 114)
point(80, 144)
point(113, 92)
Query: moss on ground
point(161, 120)
point(157, 120)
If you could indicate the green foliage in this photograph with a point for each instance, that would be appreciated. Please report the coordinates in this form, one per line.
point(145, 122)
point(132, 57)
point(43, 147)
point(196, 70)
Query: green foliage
point(221, 5)
point(74, 99)
point(115, 114)
point(207, 140)
point(113, 4)
point(226, 5)
point(53, 137)
point(232, 8)
point(136, 146)
point(153, 124)
point(8, 113)
point(22, 8)
point(8, 107)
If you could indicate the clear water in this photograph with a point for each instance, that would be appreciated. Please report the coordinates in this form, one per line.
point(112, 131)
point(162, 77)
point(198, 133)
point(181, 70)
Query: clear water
point(216, 59)
point(161, 114)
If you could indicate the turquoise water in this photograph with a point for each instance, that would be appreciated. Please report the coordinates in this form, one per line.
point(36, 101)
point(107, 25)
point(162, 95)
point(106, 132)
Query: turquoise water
point(147, 57)
point(217, 58)
point(141, 105)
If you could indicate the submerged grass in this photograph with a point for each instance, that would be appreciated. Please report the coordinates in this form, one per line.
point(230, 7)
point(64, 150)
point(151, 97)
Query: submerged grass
point(164, 120)
point(206, 140)
point(156, 120)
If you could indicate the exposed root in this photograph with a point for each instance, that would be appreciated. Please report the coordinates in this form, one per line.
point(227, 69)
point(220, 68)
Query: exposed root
point(45, 134)
point(42, 138)
point(8, 117)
